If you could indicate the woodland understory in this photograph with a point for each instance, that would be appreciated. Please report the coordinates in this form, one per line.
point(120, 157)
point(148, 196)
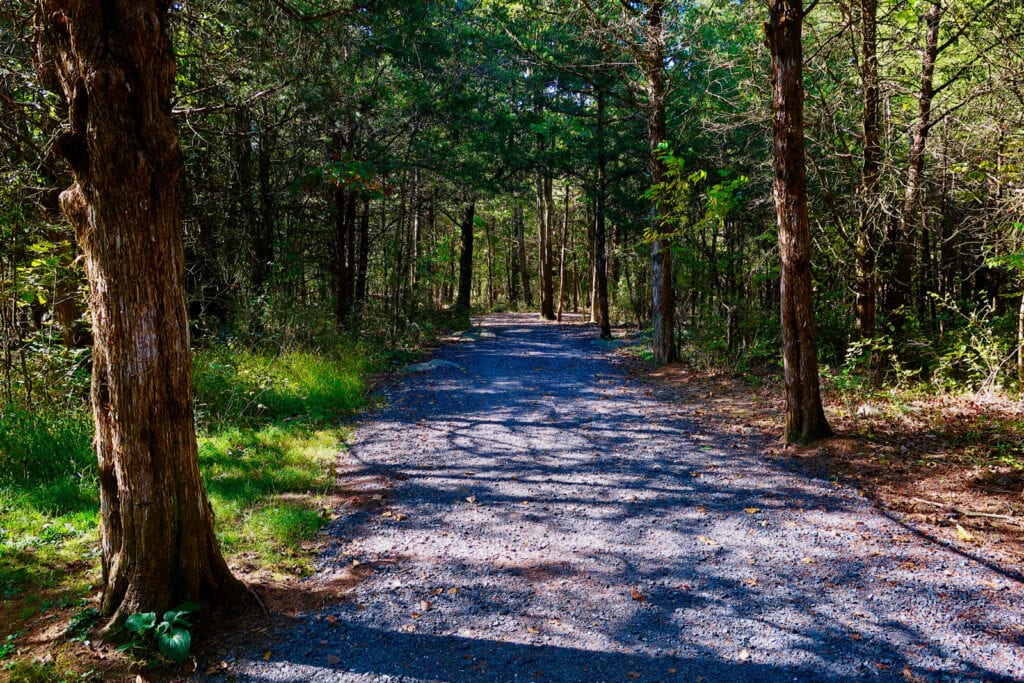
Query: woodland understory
point(360, 175)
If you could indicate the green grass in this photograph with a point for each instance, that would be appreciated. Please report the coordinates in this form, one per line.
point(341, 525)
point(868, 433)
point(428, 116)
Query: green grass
point(269, 434)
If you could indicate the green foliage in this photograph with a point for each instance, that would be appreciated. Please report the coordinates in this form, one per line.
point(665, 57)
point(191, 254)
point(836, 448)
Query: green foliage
point(242, 387)
point(171, 635)
point(45, 449)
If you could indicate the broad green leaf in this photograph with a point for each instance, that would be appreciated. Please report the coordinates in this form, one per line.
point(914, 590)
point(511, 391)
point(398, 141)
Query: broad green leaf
point(140, 623)
point(175, 644)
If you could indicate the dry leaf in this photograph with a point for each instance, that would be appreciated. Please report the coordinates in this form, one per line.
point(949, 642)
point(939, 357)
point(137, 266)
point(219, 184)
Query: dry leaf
point(637, 595)
point(750, 581)
point(809, 560)
point(267, 655)
point(453, 590)
point(425, 605)
point(333, 659)
point(533, 629)
point(708, 541)
point(409, 628)
point(471, 499)
point(964, 533)
point(751, 511)
point(701, 509)
point(856, 636)
point(634, 675)
point(437, 591)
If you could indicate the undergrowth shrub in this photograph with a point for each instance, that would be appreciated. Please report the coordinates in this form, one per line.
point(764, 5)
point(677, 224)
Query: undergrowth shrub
point(44, 447)
point(247, 388)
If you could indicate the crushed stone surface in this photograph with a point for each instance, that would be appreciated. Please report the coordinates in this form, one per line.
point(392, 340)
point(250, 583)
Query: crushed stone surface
point(546, 518)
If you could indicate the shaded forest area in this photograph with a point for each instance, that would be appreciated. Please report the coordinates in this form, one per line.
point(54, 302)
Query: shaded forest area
point(342, 160)
point(359, 176)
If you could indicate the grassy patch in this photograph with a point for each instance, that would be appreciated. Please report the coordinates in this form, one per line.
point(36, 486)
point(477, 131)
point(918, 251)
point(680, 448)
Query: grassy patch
point(269, 435)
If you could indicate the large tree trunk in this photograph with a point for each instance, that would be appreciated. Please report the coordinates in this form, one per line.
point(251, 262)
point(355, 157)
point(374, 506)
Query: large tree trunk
point(664, 309)
point(805, 417)
point(466, 257)
point(116, 67)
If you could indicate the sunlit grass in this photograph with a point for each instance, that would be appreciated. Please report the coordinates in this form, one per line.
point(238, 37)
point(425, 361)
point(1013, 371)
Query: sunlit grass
point(269, 435)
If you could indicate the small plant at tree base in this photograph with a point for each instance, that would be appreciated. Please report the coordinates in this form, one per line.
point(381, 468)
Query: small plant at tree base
point(172, 636)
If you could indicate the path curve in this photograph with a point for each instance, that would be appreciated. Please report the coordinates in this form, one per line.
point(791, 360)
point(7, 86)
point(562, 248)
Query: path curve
point(549, 519)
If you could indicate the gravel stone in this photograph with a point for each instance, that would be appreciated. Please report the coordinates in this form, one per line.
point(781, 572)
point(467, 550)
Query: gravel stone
point(566, 523)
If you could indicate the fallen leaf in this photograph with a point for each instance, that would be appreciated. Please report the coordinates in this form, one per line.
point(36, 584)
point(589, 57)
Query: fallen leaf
point(637, 595)
point(964, 533)
point(809, 560)
point(750, 581)
point(333, 659)
point(416, 615)
point(751, 511)
point(744, 655)
point(453, 590)
point(533, 629)
point(634, 675)
point(856, 636)
point(437, 591)
point(425, 605)
point(267, 655)
point(706, 540)
point(409, 628)
point(471, 499)
point(701, 509)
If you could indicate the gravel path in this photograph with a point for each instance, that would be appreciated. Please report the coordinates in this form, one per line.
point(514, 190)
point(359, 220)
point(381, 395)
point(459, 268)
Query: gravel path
point(548, 519)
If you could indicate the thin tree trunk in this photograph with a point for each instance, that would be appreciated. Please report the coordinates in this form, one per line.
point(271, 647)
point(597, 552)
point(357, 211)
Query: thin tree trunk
point(600, 253)
point(805, 417)
point(466, 257)
point(490, 265)
point(912, 213)
point(524, 271)
point(363, 261)
point(116, 68)
point(561, 255)
point(869, 207)
point(545, 204)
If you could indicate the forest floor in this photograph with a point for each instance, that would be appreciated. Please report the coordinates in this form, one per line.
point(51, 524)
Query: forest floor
point(532, 506)
point(952, 466)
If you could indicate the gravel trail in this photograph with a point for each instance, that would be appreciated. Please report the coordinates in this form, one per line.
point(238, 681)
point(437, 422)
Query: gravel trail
point(545, 518)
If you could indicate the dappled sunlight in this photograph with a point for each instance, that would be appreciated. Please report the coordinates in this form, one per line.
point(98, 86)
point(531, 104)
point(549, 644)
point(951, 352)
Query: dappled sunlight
point(540, 519)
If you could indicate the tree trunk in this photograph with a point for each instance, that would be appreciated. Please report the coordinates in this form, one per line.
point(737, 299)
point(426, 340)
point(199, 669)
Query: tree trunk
point(466, 257)
point(600, 253)
point(116, 68)
point(561, 255)
point(911, 212)
point(865, 284)
point(664, 305)
point(524, 271)
point(490, 265)
point(364, 251)
point(805, 417)
point(545, 204)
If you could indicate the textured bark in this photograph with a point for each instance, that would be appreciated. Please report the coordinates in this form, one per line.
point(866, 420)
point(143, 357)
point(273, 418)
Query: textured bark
point(466, 257)
point(115, 65)
point(664, 308)
point(805, 417)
